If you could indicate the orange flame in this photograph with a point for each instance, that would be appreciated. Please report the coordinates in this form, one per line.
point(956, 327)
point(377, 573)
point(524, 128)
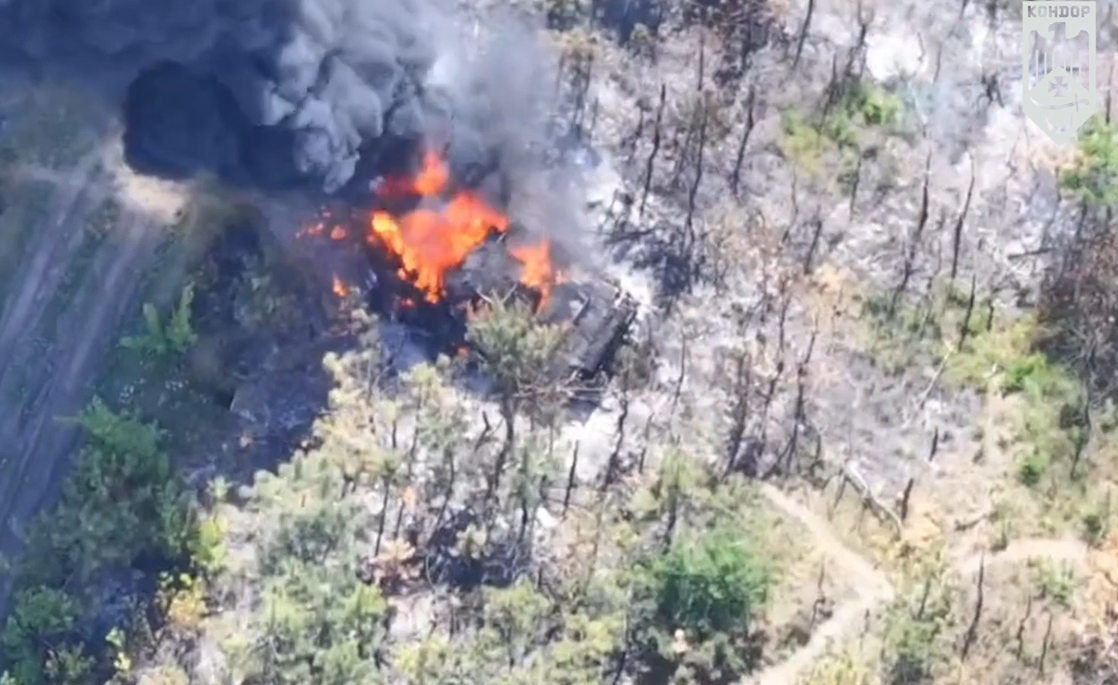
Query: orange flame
point(430, 243)
point(340, 288)
point(314, 230)
point(537, 272)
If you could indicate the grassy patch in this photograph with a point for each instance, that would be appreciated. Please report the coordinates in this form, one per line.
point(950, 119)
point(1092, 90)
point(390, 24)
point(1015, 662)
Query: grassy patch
point(934, 330)
point(1063, 462)
point(833, 142)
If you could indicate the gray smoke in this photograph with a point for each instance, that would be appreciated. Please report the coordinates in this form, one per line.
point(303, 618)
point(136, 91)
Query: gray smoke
point(290, 92)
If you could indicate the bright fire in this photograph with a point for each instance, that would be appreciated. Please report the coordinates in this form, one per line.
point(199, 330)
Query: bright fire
point(431, 243)
point(340, 288)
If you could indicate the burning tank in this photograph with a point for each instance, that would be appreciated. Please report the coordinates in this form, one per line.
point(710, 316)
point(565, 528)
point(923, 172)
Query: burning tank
point(436, 251)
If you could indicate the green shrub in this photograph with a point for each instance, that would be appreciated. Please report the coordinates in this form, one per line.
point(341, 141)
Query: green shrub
point(42, 620)
point(161, 340)
point(1094, 176)
point(121, 504)
point(706, 583)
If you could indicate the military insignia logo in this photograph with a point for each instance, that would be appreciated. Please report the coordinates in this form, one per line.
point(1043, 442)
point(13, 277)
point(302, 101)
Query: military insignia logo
point(1059, 62)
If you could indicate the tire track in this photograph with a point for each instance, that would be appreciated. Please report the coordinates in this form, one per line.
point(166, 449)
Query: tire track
point(40, 278)
point(87, 325)
point(46, 443)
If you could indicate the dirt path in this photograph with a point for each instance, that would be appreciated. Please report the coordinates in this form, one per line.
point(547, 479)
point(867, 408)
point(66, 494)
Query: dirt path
point(83, 322)
point(99, 310)
point(50, 254)
point(1053, 549)
point(874, 588)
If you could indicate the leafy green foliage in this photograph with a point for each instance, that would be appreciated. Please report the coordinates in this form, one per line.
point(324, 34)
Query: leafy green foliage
point(699, 581)
point(707, 582)
point(122, 488)
point(1094, 176)
point(42, 620)
point(319, 623)
point(161, 340)
point(843, 133)
point(919, 632)
point(516, 350)
point(396, 515)
point(861, 106)
point(121, 505)
point(1077, 306)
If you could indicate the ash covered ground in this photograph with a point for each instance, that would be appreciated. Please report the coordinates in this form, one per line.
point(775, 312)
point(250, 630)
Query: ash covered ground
point(763, 179)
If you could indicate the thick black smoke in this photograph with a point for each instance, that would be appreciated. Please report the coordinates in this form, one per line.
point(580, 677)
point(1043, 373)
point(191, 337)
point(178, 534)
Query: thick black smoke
point(278, 93)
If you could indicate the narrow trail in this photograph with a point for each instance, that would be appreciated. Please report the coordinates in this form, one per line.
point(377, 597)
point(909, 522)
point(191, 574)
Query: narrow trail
point(1052, 549)
point(874, 588)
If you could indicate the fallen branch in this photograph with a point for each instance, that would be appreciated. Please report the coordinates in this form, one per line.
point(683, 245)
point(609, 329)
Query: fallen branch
point(869, 500)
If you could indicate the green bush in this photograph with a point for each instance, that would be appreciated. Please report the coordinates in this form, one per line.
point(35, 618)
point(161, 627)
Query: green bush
point(706, 583)
point(1094, 176)
point(161, 340)
point(42, 619)
point(121, 505)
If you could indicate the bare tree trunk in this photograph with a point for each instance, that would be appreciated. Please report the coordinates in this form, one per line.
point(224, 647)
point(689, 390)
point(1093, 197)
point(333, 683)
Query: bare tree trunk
point(571, 473)
point(964, 328)
point(972, 630)
point(693, 192)
point(915, 241)
point(1047, 643)
point(657, 133)
point(958, 234)
point(905, 498)
point(803, 34)
point(508, 413)
point(751, 102)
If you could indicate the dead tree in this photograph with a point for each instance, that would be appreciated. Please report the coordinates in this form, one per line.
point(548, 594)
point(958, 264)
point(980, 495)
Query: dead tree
point(747, 130)
point(804, 28)
point(657, 133)
point(956, 238)
point(972, 629)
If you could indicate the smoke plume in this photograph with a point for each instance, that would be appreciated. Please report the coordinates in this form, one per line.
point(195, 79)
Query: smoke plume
point(282, 93)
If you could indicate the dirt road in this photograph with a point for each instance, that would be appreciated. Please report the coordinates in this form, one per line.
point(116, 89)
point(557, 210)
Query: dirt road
point(62, 311)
